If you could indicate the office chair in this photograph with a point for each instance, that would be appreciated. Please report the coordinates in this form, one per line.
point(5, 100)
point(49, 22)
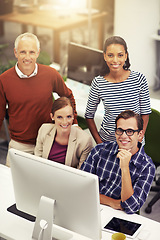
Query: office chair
point(152, 147)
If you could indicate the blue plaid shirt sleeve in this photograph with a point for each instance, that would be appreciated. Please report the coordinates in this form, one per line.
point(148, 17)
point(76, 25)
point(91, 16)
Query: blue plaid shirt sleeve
point(90, 164)
point(141, 189)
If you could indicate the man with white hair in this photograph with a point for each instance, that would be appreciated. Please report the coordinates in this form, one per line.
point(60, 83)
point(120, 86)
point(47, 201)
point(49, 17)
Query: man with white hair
point(27, 90)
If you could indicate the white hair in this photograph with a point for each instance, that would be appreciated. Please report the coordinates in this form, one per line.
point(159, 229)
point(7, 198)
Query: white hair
point(26, 36)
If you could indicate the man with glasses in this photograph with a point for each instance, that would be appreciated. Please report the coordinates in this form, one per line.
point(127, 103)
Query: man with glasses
point(125, 171)
point(27, 90)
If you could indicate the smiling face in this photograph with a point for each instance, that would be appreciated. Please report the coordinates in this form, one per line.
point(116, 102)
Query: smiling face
point(27, 54)
point(63, 119)
point(128, 142)
point(115, 57)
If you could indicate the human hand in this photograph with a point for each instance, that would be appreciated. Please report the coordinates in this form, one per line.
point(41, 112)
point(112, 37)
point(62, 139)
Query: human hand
point(125, 157)
point(99, 141)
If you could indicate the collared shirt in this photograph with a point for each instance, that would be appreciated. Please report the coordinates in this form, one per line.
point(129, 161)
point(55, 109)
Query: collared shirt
point(103, 162)
point(22, 75)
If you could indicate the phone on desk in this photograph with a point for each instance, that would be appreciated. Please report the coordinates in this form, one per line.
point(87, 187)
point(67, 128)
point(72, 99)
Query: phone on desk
point(130, 229)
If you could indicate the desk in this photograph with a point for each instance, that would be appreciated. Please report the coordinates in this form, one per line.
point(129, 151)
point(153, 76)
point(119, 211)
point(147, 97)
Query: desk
point(49, 19)
point(13, 227)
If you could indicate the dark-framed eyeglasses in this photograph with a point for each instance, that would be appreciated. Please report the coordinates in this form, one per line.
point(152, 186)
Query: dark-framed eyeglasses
point(129, 131)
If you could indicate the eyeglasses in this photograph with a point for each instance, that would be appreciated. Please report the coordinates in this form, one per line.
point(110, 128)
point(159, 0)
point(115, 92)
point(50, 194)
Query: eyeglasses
point(129, 131)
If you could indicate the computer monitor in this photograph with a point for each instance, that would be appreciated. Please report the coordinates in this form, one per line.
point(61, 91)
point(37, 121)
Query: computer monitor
point(76, 194)
point(84, 63)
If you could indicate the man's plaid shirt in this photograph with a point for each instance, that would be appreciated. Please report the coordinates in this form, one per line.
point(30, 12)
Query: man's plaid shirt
point(103, 162)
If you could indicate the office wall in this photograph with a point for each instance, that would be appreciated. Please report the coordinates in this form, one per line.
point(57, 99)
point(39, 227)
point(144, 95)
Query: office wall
point(136, 21)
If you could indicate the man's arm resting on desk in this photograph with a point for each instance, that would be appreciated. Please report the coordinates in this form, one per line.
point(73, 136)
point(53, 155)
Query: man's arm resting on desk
point(110, 202)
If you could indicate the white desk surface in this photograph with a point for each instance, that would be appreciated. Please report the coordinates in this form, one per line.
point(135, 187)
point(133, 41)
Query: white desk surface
point(13, 227)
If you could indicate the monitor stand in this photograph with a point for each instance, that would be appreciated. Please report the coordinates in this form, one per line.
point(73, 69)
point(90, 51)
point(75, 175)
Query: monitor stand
point(43, 228)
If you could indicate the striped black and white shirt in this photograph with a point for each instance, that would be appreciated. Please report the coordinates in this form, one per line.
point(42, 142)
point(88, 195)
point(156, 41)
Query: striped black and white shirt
point(133, 94)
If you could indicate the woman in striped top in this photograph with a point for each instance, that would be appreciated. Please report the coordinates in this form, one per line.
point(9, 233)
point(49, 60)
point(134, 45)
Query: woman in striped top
point(119, 89)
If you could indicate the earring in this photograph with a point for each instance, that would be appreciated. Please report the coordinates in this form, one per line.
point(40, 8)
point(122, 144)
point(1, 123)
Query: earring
point(125, 65)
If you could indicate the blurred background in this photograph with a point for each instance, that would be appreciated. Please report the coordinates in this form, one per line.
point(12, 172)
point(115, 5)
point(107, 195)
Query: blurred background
point(136, 21)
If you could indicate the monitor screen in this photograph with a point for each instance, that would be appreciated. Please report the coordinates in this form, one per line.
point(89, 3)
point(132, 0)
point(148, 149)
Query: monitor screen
point(84, 63)
point(76, 193)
